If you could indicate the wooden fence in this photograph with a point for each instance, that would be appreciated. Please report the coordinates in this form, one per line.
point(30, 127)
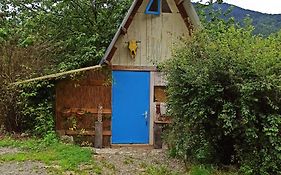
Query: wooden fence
point(78, 104)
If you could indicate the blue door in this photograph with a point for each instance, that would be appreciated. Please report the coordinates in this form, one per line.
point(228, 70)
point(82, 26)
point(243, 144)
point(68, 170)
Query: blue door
point(130, 107)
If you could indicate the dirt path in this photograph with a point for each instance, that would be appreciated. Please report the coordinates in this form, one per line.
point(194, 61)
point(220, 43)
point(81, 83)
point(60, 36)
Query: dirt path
point(20, 168)
point(121, 161)
point(23, 168)
point(134, 161)
point(8, 151)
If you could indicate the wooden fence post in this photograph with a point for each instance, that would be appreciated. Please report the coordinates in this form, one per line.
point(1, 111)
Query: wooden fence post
point(157, 136)
point(98, 134)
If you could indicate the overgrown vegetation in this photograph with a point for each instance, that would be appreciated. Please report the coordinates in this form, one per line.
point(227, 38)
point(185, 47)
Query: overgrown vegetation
point(191, 170)
point(43, 37)
point(58, 156)
point(224, 90)
point(16, 62)
point(159, 170)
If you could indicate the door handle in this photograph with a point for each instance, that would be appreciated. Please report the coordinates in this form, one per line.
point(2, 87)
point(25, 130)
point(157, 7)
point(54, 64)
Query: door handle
point(145, 114)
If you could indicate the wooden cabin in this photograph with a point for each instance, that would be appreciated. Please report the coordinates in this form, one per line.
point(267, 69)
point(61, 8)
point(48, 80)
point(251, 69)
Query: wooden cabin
point(128, 96)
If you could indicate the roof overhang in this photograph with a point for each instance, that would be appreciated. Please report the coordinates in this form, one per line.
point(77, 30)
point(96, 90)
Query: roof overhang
point(122, 30)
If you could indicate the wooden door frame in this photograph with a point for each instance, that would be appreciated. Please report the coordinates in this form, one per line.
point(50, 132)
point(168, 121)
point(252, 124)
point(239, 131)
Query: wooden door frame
point(152, 109)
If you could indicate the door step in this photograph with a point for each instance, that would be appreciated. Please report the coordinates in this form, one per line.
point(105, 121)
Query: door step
point(145, 146)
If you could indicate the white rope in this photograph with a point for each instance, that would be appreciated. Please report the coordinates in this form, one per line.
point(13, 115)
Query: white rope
point(51, 76)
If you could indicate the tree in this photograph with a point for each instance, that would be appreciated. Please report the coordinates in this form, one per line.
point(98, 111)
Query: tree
point(60, 35)
point(224, 89)
point(78, 30)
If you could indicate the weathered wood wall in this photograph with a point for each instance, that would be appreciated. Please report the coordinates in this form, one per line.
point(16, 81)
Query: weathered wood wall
point(157, 35)
point(77, 103)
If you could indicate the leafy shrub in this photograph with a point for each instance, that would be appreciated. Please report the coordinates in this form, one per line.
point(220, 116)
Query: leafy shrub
point(224, 88)
point(198, 170)
point(36, 102)
point(36, 40)
point(160, 170)
point(17, 62)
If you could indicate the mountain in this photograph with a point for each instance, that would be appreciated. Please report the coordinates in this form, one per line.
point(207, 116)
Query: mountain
point(264, 24)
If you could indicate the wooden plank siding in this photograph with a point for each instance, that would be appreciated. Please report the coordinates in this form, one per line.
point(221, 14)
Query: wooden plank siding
point(77, 103)
point(157, 36)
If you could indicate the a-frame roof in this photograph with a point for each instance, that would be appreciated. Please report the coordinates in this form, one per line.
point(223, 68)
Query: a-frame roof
point(185, 7)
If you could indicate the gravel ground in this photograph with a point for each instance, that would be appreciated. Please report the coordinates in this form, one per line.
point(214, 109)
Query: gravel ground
point(8, 150)
point(119, 161)
point(20, 168)
point(134, 161)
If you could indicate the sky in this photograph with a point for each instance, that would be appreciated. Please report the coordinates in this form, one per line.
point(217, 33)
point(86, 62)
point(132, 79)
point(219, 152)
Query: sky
point(264, 6)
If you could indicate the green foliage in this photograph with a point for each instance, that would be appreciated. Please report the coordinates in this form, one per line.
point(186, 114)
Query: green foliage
point(47, 36)
point(66, 157)
point(224, 90)
point(199, 170)
point(159, 170)
point(37, 107)
point(17, 62)
point(78, 30)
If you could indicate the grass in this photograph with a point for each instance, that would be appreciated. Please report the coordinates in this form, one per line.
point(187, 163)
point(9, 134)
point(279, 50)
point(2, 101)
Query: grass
point(109, 166)
point(192, 170)
point(159, 170)
point(209, 170)
point(201, 170)
point(128, 160)
point(63, 157)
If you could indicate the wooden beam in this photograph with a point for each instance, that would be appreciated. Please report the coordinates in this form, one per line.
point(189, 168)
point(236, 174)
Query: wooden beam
point(86, 110)
point(142, 146)
point(123, 30)
point(151, 108)
point(111, 54)
point(185, 16)
point(98, 134)
point(178, 1)
point(86, 133)
point(157, 136)
point(192, 15)
point(131, 17)
point(52, 76)
point(91, 82)
point(162, 122)
point(134, 68)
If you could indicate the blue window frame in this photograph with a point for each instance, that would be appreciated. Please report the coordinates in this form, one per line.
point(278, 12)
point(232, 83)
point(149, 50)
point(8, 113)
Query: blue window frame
point(153, 7)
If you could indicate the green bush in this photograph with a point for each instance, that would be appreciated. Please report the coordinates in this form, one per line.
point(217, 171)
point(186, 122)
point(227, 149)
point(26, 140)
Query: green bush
point(56, 38)
point(18, 63)
point(224, 88)
point(37, 107)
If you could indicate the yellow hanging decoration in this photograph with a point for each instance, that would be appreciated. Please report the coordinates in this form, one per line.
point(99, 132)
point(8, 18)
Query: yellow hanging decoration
point(133, 48)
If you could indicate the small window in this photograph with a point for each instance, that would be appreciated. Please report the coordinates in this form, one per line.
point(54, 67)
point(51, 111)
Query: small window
point(153, 7)
point(160, 94)
point(165, 7)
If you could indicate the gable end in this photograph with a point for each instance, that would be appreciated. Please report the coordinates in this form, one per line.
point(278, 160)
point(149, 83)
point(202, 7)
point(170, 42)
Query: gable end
point(185, 8)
